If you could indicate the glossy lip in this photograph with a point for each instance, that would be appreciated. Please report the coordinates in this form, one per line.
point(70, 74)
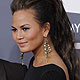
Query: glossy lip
point(22, 44)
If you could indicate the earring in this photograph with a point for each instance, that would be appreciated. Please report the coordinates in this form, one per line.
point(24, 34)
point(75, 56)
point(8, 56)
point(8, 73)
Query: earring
point(47, 49)
point(21, 57)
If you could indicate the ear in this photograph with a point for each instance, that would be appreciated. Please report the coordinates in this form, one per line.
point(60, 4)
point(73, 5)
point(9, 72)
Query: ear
point(46, 29)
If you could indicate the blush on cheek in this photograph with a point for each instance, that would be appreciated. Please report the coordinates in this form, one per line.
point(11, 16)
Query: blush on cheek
point(33, 35)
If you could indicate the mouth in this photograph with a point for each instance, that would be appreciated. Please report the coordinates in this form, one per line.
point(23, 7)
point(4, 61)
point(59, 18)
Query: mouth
point(22, 44)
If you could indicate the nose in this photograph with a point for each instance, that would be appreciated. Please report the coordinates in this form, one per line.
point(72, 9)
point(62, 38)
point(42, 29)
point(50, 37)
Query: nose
point(19, 35)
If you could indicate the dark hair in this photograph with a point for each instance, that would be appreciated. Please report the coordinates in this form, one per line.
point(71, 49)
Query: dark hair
point(52, 11)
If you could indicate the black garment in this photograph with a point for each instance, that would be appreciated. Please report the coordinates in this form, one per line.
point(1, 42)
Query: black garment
point(46, 72)
point(12, 71)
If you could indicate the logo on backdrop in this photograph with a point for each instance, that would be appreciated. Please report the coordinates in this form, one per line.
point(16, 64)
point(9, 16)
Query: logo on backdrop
point(76, 28)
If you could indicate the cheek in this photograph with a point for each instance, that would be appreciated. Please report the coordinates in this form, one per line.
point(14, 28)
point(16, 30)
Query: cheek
point(36, 40)
point(34, 37)
point(32, 34)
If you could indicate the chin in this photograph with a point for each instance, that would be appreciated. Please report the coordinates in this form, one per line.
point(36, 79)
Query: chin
point(25, 50)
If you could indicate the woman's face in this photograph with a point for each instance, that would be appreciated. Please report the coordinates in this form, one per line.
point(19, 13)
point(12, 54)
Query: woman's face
point(26, 31)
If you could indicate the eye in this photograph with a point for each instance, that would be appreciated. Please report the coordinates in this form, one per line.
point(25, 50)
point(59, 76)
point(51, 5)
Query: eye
point(24, 29)
point(14, 30)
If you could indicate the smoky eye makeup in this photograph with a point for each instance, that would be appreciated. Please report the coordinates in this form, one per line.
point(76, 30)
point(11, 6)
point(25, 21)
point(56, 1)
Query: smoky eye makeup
point(13, 29)
point(22, 28)
point(25, 28)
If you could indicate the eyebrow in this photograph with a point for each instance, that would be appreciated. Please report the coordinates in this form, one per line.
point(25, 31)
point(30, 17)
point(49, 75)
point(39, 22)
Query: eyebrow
point(24, 25)
point(21, 25)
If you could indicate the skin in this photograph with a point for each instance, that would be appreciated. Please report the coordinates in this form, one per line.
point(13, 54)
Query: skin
point(25, 36)
point(29, 36)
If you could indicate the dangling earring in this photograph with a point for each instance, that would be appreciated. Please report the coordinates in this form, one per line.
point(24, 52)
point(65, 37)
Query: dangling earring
point(47, 49)
point(21, 57)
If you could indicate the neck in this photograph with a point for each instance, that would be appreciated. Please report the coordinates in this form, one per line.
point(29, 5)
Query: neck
point(39, 53)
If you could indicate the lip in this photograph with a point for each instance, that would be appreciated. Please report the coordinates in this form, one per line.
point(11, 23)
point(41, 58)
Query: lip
point(22, 44)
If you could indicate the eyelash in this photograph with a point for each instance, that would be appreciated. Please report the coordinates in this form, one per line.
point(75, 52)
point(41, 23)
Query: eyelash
point(24, 29)
point(14, 30)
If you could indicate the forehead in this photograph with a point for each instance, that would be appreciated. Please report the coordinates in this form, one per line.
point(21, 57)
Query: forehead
point(24, 13)
point(23, 17)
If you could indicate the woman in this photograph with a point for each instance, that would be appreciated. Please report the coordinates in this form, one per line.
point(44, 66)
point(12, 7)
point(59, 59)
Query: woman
point(43, 27)
point(11, 71)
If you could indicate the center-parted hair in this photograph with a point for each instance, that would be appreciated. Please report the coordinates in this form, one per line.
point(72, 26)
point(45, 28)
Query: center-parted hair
point(60, 33)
